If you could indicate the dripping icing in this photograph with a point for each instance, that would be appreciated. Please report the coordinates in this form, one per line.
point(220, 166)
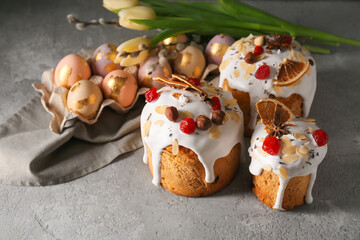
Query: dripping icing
point(300, 167)
point(208, 150)
point(259, 89)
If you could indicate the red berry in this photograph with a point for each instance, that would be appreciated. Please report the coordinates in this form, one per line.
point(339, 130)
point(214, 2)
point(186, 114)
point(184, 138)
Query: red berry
point(187, 125)
point(195, 81)
point(258, 50)
point(263, 72)
point(151, 95)
point(216, 103)
point(320, 136)
point(271, 145)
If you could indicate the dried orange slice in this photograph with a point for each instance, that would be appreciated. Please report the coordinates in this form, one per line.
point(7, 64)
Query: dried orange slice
point(273, 112)
point(291, 71)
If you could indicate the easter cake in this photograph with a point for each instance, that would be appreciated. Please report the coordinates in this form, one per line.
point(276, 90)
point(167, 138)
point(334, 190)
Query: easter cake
point(192, 135)
point(272, 66)
point(285, 153)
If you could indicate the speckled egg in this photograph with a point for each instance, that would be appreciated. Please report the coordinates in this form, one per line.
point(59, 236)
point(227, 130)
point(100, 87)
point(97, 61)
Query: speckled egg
point(190, 62)
point(84, 98)
point(151, 68)
point(217, 47)
point(103, 60)
point(71, 69)
point(120, 86)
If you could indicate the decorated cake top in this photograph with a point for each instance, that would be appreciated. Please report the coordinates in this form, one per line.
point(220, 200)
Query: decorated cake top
point(286, 145)
point(269, 65)
point(192, 114)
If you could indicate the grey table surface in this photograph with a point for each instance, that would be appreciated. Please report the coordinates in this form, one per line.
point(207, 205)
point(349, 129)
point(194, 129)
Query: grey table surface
point(120, 202)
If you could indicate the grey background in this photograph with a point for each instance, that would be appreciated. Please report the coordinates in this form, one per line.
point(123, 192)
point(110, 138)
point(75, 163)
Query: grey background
point(120, 202)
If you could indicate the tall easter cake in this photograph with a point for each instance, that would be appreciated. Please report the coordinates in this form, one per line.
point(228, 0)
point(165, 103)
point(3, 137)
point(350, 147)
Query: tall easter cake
point(272, 66)
point(285, 153)
point(192, 135)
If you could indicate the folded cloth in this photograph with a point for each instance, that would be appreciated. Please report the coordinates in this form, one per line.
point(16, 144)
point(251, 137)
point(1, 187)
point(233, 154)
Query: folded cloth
point(32, 155)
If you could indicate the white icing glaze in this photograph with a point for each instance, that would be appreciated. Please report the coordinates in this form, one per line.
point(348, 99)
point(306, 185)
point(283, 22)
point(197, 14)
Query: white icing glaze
point(207, 149)
point(258, 89)
point(300, 167)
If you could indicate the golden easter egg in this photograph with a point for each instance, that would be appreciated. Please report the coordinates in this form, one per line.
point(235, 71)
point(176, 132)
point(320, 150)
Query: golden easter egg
point(71, 69)
point(84, 98)
point(190, 62)
point(120, 86)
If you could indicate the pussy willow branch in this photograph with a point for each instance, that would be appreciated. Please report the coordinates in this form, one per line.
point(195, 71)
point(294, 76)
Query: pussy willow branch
point(80, 25)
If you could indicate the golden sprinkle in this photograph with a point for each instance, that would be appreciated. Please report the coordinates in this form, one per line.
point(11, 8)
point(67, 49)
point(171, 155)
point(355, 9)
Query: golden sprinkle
point(303, 151)
point(236, 73)
point(288, 150)
point(214, 132)
point(235, 116)
point(259, 40)
point(175, 147)
point(185, 114)
point(290, 158)
point(299, 136)
point(308, 119)
point(246, 76)
point(262, 152)
point(248, 68)
point(161, 109)
point(285, 140)
point(159, 122)
point(310, 129)
point(283, 172)
point(146, 128)
point(224, 64)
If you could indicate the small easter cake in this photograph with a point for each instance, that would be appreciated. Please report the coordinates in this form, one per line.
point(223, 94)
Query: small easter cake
point(192, 135)
point(268, 66)
point(285, 153)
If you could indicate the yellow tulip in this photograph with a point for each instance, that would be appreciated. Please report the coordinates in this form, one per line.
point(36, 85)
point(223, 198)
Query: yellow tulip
point(131, 46)
point(137, 12)
point(117, 5)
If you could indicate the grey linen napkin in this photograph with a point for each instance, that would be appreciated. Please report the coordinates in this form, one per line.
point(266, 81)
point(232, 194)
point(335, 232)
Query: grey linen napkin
point(32, 155)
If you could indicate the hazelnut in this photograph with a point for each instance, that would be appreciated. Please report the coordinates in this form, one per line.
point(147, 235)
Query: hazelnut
point(259, 41)
point(218, 117)
point(203, 122)
point(250, 58)
point(172, 113)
